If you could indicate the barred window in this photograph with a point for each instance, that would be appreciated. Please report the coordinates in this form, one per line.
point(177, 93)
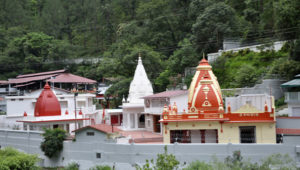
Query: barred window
point(90, 133)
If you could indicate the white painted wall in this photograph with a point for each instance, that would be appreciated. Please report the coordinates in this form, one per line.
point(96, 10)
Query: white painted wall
point(256, 100)
point(276, 47)
point(181, 102)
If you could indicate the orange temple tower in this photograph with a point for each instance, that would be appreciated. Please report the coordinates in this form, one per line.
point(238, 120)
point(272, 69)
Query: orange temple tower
point(207, 122)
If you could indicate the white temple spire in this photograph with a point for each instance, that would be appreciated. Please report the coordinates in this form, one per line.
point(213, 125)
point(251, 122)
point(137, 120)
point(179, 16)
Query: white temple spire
point(140, 86)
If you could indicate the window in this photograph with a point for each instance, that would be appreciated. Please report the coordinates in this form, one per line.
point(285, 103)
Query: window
point(90, 133)
point(247, 134)
point(21, 99)
point(13, 99)
point(98, 155)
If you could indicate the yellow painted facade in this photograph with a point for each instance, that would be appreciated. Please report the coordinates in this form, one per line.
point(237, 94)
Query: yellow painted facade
point(206, 113)
point(264, 132)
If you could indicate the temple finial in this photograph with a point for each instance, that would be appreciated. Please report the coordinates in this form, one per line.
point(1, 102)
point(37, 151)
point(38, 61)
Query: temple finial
point(203, 55)
point(140, 58)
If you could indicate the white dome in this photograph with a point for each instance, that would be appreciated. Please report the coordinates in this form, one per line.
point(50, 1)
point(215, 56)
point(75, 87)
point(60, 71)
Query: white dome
point(140, 86)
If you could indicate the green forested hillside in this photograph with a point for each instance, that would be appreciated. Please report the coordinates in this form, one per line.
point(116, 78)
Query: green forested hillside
point(42, 35)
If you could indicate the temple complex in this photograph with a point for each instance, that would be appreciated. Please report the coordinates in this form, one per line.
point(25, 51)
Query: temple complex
point(208, 121)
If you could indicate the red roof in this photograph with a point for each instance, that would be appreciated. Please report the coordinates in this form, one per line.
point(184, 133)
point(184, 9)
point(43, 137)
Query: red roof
point(29, 79)
point(101, 127)
point(1, 98)
point(3, 82)
point(167, 94)
point(288, 131)
point(71, 78)
point(42, 73)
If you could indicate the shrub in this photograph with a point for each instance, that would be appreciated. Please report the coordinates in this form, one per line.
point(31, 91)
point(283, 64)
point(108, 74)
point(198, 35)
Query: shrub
point(53, 141)
point(197, 165)
point(12, 159)
point(72, 166)
point(101, 167)
point(164, 161)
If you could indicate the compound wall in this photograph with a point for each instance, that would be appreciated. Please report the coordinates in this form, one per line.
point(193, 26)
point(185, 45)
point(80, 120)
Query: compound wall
point(125, 156)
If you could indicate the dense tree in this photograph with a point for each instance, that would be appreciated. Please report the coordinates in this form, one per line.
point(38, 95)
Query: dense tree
point(53, 142)
point(217, 22)
point(41, 35)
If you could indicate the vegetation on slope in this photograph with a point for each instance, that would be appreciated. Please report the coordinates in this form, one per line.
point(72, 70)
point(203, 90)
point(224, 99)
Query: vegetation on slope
point(43, 35)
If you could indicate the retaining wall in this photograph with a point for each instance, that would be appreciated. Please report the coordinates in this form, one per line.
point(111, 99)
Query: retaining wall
point(125, 156)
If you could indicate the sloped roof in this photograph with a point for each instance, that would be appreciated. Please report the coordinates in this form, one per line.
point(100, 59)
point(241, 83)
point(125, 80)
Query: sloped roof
point(167, 94)
point(293, 83)
point(288, 131)
point(101, 127)
point(42, 73)
point(71, 78)
point(3, 82)
point(29, 79)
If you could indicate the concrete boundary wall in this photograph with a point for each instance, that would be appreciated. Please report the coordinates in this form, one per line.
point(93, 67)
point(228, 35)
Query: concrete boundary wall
point(125, 156)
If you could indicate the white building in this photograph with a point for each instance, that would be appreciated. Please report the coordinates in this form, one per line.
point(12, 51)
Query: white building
point(17, 106)
point(140, 86)
point(45, 109)
point(27, 88)
point(292, 97)
point(154, 105)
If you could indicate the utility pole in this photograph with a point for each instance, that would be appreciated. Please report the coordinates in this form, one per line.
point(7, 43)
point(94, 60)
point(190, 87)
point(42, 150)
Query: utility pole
point(75, 94)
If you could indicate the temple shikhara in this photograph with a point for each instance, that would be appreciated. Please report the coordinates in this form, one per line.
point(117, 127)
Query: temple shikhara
point(207, 120)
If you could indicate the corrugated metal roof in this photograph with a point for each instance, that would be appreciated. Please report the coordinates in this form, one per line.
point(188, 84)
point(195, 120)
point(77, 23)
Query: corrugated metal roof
point(167, 94)
point(292, 83)
point(71, 78)
point(29, 79)
point(42, 73)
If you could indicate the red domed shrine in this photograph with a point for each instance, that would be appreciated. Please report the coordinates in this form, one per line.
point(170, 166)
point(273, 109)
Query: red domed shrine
point(47, 103)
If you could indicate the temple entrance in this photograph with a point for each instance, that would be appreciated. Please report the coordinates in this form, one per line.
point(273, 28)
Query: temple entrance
point(180, 136)
point(156, 123)
point(116, 120)
point(194, 136)
point(141, 121)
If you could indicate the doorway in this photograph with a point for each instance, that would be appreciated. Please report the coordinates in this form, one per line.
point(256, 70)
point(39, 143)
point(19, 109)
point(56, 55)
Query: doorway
point(156, 124)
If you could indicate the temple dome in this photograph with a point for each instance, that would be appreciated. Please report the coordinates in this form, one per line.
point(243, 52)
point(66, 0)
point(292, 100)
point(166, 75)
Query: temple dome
point(47, 103)
point(140, 86)
point(205, 93)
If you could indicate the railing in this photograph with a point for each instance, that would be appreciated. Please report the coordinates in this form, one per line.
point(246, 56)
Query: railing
point(266, 116)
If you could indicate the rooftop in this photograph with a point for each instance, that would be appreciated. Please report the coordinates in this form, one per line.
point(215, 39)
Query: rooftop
point(101, 127)
point(166, 94)
point(293, 83)
point(71, 78)
point(41, 73)
point(3, 82)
